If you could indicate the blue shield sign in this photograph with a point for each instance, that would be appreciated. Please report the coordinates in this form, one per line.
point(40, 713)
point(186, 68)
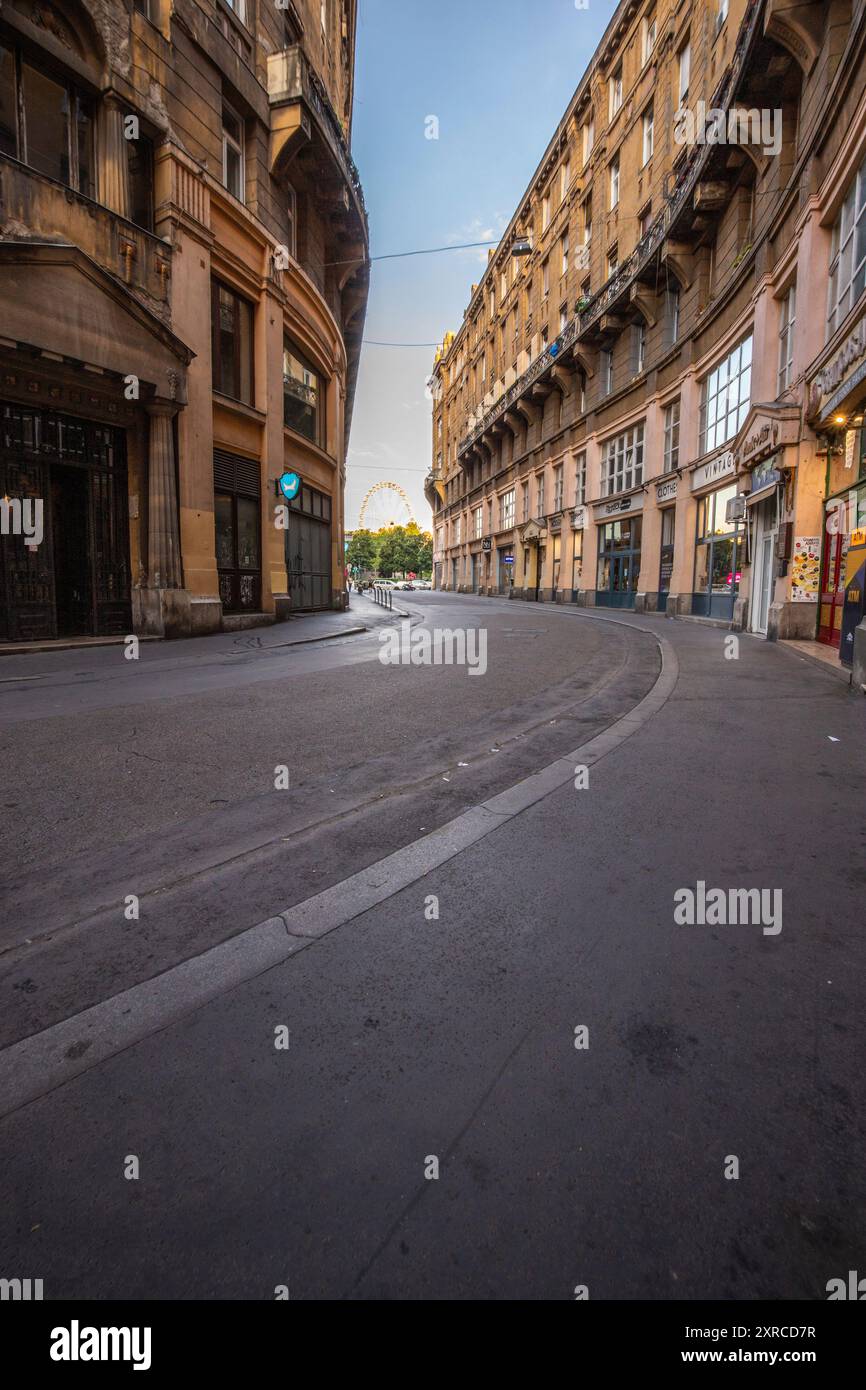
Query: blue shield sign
point(290, 485)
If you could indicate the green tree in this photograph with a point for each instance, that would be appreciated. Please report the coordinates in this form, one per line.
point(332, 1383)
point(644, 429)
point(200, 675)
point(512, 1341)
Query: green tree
point(391, 547)
point(362, 554)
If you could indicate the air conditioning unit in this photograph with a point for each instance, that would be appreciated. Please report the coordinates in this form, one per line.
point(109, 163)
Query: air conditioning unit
point(735, 509)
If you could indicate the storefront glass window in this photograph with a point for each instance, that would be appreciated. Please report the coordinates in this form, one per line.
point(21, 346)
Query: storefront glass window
point(716, 575)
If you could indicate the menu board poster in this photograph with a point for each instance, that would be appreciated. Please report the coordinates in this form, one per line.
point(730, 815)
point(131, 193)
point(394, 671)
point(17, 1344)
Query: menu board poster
point(806, 569)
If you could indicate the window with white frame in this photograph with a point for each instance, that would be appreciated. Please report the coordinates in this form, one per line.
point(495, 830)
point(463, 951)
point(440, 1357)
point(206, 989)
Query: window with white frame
point(725, 397)
point(848, 253)
point(622, 460)
point(506, 510)
point(639, 347)
point(685, 71)
point(606, 370)
point(565, 177)
point(650, 33)
point(615, 92)
point(545, 212)
point(563, 317)
point(648, 135)
point(239, 7)
point(478, 522)
point(787, 320)
point(722, 14)
point(539, 495)
point(557, 487)
point(673, 313)
point(564, 244)
point(614, 182)
point(503, 285)
point(456, 534)
point(587, 138)
point(233, 152)
point(581, 392)
point(524, 502)
point(672, 436)
point(580, 480)
point(545, 278)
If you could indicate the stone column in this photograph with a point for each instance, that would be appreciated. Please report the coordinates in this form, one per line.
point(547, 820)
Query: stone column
point(163, 544)
point(113, 158)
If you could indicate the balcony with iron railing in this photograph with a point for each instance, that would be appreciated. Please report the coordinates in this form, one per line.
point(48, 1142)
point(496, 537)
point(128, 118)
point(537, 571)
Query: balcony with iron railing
point(617, 288)
point(292, 82)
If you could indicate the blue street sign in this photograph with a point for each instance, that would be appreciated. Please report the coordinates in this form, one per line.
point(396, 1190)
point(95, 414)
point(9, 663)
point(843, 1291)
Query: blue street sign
point(290, 485)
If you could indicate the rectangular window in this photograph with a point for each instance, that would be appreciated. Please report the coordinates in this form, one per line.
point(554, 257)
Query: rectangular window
point(524, 502)
point(456, 530)
point(639, 347)
point(587, 139)
point(685, 71)
point(539, 495)
point(140, 162)
point(673, 314)
point(564, 245)
point(725, 397)
point(232, 344)
point(292, 220)
point(606, 370)
point(233, 153)
point(848, 254)
point(650, 31)
point(648, 135)
point(672, 436)
point(144, 7)
point(786, 339)
point(723, 13)
point(506, 510)
point(645, 221)
point(580, 480)
point(557, 488)
point(503, 285)
point(545, 212)
point(581, 387)
point(615, 92)
point(614, 183)
point(302, 395)
point(478, 522)
point(563, 317)
point(622, 461)
point(565, 183)
point(239, 7)
point(545, 278)
point(46, 123)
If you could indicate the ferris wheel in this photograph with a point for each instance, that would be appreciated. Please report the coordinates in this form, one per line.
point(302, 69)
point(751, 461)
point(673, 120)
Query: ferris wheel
point(386, 504)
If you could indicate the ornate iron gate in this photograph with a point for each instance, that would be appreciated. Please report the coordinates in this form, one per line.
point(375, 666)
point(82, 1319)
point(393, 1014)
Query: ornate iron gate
point(77, 580)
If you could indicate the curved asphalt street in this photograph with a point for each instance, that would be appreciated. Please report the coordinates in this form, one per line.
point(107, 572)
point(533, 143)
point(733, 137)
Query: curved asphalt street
point(430, 941)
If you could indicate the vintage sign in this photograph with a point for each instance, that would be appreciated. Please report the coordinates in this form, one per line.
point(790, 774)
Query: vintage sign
point(720, 467)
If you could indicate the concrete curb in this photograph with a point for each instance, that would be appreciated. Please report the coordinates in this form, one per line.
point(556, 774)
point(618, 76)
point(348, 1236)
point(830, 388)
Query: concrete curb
point(44, 1061)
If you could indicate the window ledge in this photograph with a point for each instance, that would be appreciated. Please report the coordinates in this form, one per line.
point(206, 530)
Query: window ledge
point(240, 406)
point(295, 435)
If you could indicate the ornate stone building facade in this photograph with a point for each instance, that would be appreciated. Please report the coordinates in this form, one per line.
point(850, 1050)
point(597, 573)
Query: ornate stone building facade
point(183, 282)
point(656, 396)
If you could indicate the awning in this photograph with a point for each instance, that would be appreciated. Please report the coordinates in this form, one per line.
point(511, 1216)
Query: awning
point(763, 494)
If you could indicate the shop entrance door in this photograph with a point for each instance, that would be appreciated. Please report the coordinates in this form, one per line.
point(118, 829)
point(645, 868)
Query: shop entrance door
point(832, 589)
point(763, 581)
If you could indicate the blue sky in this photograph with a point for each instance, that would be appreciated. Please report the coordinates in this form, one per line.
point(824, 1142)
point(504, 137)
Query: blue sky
point(498, 74)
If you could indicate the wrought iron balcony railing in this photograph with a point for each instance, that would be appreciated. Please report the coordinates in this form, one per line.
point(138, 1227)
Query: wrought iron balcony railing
point(619, 283)
point(291, 78)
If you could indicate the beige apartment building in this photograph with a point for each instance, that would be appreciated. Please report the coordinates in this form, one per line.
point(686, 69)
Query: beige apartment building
point(656, 395)
point(183, 282)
